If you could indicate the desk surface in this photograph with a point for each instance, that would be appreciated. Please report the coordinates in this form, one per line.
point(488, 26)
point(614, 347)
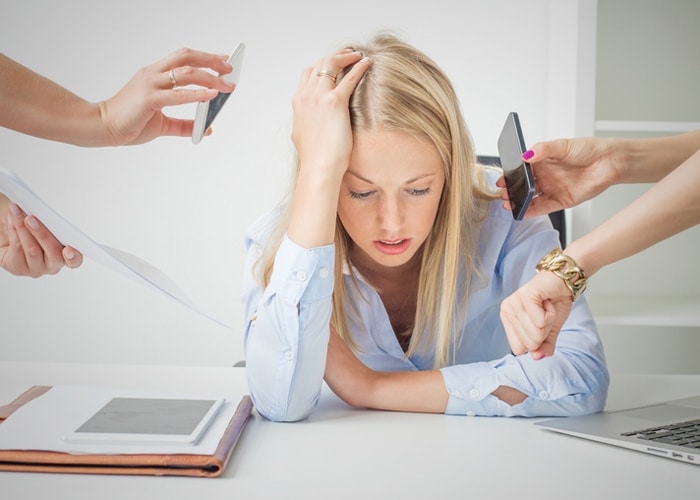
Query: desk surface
point(346, 453)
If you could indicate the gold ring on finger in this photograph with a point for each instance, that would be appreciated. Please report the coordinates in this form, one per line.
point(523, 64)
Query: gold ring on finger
point(327, 74)
point(171, 74)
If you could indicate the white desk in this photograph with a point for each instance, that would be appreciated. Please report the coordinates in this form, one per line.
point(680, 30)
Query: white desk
point(346, 453)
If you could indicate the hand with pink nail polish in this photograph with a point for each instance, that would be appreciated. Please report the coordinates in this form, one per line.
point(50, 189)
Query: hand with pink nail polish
point(569, 172)
point(28, 248)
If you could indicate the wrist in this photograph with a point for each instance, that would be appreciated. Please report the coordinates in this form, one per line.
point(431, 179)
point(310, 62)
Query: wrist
point(90, 126)
point(621, 154)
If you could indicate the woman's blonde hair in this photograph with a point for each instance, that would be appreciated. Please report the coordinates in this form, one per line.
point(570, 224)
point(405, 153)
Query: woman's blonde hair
point(405, 91)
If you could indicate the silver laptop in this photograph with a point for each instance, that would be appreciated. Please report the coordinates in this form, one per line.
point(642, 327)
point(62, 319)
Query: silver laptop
point(670, 430)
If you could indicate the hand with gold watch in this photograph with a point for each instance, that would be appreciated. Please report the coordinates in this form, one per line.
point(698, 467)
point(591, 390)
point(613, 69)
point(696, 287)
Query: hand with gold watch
point(535, 313)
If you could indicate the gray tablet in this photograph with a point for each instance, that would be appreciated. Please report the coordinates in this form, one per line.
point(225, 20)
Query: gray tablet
point(148, 421)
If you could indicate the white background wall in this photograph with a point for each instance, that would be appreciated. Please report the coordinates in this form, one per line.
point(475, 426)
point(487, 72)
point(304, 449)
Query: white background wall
point(184, 208)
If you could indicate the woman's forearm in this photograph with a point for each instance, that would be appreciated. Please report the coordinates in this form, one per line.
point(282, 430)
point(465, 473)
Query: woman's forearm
point(34, 105)
point(421, 391)
point(667, 208)
point(649, 160)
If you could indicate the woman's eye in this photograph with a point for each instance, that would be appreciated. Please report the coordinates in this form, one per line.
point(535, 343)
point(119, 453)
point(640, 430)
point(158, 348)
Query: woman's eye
point(419, 192)
point(360, 195)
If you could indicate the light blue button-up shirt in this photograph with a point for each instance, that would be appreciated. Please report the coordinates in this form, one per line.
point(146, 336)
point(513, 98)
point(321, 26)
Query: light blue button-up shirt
point(287, 331)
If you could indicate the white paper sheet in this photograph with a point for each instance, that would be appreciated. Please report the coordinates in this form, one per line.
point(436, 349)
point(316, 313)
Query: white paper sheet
point(42, 423)
point(122, 262)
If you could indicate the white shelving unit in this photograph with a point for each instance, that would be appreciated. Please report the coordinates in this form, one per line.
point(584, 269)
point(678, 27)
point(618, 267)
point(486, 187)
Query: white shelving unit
point(647, 307)
point(652, 311)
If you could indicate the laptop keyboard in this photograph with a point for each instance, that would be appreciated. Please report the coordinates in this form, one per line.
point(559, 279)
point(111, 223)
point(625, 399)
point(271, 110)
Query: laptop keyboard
point(685, 434)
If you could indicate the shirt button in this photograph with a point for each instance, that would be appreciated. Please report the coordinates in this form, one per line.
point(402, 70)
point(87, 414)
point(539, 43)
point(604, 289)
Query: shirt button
point(474, 393)
point(300, 276)
point(323, 272)
point(471, 413)
point(288, 355)
point(543, 395)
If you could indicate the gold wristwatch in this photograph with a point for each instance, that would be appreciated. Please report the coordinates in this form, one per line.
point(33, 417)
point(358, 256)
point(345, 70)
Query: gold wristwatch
point(564, 267)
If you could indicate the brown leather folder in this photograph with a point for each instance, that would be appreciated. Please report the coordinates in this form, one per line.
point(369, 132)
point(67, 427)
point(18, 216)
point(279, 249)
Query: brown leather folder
point(140, 464)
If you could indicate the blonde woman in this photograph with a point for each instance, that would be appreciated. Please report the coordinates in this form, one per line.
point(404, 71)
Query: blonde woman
point(384, 271)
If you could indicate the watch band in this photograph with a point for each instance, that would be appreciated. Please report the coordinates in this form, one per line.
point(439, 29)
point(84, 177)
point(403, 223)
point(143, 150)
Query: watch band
point(565, 268)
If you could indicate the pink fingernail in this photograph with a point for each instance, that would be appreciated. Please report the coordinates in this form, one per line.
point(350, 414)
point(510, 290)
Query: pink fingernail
point(528, 154)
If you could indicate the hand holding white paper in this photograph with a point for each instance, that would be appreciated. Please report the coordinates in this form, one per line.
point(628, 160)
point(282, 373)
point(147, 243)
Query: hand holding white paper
point(122, 262)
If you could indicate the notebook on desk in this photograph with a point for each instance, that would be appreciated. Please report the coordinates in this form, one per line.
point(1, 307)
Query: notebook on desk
point(670, 429)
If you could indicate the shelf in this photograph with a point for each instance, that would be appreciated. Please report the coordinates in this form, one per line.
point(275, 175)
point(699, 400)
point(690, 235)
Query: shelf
point(675, 311)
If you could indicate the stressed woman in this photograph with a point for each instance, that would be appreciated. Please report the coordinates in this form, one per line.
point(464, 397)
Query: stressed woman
point(384, 270)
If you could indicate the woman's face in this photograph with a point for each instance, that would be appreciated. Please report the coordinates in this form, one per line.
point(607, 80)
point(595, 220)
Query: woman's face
point(389, 196)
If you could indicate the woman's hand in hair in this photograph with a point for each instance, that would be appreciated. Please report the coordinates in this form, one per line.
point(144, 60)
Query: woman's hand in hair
point(321, 127)
point(323, 138)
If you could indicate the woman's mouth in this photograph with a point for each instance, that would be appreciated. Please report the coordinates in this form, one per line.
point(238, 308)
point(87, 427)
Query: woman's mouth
point(392, 247)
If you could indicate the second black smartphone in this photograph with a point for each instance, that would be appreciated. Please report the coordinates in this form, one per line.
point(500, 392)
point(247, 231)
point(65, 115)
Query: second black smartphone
point(520, 182)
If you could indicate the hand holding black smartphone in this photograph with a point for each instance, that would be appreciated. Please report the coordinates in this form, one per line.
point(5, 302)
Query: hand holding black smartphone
point(520, 182)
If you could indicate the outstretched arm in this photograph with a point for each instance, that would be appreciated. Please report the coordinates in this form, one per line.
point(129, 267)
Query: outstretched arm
point(534, 314)
point(570, 171)
point(35, 105)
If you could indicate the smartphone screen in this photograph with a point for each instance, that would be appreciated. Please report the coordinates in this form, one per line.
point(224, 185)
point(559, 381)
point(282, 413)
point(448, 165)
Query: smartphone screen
point(520, 182)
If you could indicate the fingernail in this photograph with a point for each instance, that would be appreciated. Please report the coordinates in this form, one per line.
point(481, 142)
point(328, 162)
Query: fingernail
point(14, 210)
point(69, 254)
point(32, 222)
point(528, 154)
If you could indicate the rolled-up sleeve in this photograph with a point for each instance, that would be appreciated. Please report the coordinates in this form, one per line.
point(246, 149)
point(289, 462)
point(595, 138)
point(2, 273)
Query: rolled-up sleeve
point(573, 381)
point(286, 333)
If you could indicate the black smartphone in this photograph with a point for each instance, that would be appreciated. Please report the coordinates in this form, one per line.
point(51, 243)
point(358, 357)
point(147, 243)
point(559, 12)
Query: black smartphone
point(520, 182)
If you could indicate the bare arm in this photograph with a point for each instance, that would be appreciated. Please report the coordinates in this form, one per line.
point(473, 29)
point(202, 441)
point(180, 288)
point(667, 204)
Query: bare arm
point(35, 105)
point(649, 160)
point(533, 315)
point(418, 391)
point(669, 207)
point(323, 139)
point(571, 171)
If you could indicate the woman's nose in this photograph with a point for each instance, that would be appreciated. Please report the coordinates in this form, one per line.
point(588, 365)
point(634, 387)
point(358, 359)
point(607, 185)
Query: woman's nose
point(391, 214)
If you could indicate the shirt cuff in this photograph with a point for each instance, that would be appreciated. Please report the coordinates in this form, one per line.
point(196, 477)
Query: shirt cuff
point(302, 272)
point(469, 387)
